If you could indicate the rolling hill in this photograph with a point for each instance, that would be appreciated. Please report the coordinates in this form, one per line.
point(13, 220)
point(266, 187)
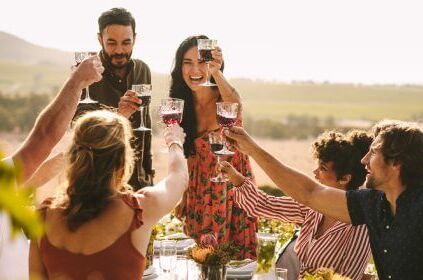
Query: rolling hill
point(26, 68)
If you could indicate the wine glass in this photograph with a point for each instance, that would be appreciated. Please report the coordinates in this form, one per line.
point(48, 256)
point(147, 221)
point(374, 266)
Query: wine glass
point(216, 145)
point(171, 110)
point(79, 57)
point(205, 47)
point(182, 268)
point(168, 255)
point(143, 92)
point(227, 113)
point(281, 274)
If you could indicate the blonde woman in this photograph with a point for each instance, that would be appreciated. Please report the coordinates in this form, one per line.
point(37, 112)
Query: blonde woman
point(98, 228)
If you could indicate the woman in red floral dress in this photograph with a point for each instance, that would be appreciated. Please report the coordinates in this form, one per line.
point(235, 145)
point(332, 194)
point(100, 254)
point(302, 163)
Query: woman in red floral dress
point(208, 207)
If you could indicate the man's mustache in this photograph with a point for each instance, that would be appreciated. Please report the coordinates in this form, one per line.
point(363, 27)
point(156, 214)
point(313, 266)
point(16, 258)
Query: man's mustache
point(118, 56)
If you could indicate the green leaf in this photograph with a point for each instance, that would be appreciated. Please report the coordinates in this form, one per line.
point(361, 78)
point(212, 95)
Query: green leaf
point(17, 203)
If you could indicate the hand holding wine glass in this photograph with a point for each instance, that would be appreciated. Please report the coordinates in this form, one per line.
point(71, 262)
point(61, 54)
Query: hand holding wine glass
point(233, 175)
point(174, 134)
point(143, 92)
point(79, 57)
point(88, 71)
point(171, 110)
point(227, 113)
point(205, 48)
point(216, 63)
point(216, 145)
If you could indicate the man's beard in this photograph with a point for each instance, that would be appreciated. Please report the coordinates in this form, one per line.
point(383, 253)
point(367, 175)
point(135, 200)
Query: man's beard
point(371, 183)
point(109, 58)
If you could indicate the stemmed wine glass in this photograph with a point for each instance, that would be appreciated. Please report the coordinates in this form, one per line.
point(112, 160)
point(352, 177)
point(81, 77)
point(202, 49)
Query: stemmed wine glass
point(227, 113)
point(79, 57)
point(281, 274)
point(205, 47)
point(171, 110)
point(168, 255)
point(216, 145)
point(144, 93)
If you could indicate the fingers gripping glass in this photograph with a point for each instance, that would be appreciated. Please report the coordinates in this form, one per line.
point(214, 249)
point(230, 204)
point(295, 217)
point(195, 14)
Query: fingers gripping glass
point(79, 57)
point(143, 92)
point(227, 113)
point(171, 110)
point(216, 146)
point(205, 47)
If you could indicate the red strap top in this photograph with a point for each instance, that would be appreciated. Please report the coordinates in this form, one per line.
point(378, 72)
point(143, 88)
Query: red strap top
point(121, 260)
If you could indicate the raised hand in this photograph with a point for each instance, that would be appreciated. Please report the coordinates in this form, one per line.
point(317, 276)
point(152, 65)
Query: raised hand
point(129, 103)
point(234, 176)
point(217, 61)
point(174, 135)
point(241, 140)
point(88, 71)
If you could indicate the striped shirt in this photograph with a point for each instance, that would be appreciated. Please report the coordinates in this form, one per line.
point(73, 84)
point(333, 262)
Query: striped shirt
point(342, 247)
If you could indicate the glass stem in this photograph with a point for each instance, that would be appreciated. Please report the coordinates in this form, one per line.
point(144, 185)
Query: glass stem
point(208, 72)
point(87, 93)
point(142, 116)
point(218, 174)
point(225, 148)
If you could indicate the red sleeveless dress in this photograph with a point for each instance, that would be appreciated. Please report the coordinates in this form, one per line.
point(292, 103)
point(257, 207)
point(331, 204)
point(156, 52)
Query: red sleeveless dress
point(121, 260)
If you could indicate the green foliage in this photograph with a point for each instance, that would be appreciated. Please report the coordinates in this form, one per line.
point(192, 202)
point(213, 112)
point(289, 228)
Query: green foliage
point(274, 110)
point(20, 111)
point(271, 190)
point(17, 204)
point(324, 274)
point(284, 230)
point(266, 255)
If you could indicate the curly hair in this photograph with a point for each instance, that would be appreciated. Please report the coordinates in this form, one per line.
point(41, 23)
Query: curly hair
point(345, 151)
point(100, 161)
point(402, 143)
point(179, 89)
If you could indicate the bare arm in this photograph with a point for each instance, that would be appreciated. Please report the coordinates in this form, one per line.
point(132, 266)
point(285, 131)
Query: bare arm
point(329, 201)
point(48, 170)
point(227, 92)
point(162, 198)
point(37, 270)
point(53, 121)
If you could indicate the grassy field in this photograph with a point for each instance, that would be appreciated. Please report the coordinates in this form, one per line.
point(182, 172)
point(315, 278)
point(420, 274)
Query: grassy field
point(261, 99)
point(295, 153)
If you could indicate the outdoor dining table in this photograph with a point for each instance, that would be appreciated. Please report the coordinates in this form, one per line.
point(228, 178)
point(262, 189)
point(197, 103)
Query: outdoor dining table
point(192, 268)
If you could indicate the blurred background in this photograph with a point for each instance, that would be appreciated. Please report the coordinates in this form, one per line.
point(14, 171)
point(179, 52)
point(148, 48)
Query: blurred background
point(302, 67)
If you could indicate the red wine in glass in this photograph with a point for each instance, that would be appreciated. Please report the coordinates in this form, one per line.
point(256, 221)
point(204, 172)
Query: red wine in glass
point(226, 121)
point(145, 99)
point(143, 92)
point(216, 147)
point(206, 55)
point(171, 117)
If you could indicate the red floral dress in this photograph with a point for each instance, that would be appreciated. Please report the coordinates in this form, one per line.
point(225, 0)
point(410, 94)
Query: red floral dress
point(210, 206)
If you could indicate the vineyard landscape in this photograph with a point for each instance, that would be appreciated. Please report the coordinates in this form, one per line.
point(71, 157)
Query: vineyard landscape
point(285, 117)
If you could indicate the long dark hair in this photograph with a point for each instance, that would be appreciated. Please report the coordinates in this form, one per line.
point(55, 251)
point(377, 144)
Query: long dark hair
point(179, 89)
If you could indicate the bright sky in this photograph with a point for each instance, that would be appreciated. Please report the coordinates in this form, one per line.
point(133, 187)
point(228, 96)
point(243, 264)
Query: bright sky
point(367, 41)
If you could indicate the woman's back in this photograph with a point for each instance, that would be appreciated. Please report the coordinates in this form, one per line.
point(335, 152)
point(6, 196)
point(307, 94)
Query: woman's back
point(102, 248)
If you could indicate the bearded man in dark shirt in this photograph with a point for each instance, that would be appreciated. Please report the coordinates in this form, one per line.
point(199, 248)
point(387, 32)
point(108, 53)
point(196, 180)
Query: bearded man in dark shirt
point(117, 38)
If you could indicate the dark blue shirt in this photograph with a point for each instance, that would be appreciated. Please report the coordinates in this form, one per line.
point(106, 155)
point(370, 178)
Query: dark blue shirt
point(396, 241)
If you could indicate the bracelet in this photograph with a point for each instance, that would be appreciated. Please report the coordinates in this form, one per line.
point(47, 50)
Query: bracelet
point(177, 142)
